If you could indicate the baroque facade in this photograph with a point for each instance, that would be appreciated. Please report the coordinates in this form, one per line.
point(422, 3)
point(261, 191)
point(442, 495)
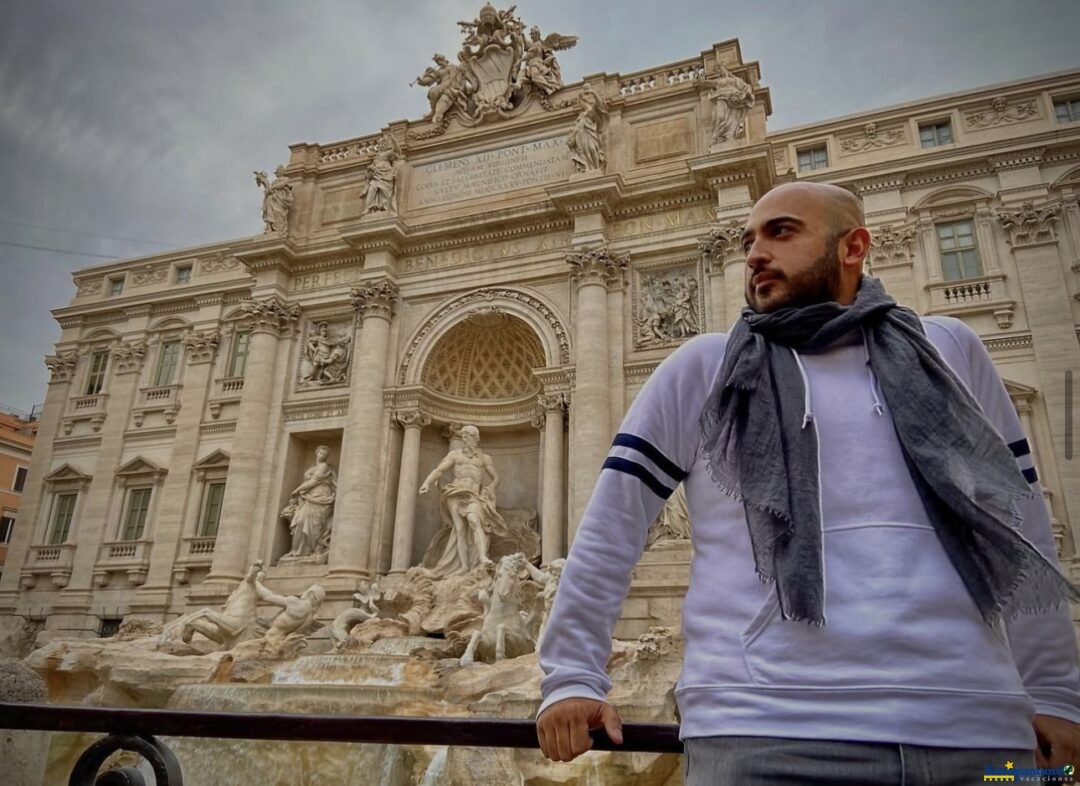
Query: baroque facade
point(520, 260)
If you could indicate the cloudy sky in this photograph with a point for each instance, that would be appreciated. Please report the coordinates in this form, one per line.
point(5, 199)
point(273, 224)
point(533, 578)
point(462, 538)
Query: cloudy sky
point(133, 126)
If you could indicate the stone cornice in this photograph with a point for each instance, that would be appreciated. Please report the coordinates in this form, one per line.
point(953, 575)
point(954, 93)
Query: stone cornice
point(318, 408)
point(591, 194)
point(751, 165)
point(376, 232)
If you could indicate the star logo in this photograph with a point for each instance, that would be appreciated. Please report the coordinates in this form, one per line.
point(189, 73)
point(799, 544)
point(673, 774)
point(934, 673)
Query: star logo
point(1008, 765)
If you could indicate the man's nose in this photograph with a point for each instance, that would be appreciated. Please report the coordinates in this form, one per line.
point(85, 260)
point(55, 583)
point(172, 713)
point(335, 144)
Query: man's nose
point(757, 256)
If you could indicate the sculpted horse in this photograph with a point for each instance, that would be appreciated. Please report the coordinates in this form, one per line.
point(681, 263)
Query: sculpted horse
point(505, 631)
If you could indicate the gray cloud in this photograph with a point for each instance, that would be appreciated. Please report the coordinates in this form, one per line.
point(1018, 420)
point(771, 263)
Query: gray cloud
point(145, 118)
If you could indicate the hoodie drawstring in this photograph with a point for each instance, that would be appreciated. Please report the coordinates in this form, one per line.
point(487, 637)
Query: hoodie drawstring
point(878, 408)
point(808, 411)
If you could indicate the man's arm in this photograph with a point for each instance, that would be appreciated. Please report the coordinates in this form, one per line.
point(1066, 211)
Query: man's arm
point(1043, 645)
point(267, 595)
point(656, 444)
point(444, 465)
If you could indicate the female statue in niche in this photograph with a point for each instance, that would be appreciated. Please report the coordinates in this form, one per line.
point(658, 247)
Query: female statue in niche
point(586, 150)
point(309, 509)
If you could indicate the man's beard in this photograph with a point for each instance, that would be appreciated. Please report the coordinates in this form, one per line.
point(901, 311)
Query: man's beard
point(819, 283)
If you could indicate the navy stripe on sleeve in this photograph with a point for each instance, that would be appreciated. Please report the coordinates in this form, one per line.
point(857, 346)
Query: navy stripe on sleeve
point(1020, 448)
point(1030, 475)
point(639, 472)
point(651, 452)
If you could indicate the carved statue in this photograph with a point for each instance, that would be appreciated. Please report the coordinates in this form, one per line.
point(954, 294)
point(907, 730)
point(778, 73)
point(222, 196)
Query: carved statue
point(669, 308)
point(504, 632)
point(234, 623)
point(277, 198)
point(498, 68)
point(288, 630)
point(326, 358)
point(449, 87)
point(673, 523)
point(539, 68)
point(381, 176)
point(345, 621)
point(309, 508)
point(548, 579)
point(467, 506)
point(586, 150)
point(732, 98)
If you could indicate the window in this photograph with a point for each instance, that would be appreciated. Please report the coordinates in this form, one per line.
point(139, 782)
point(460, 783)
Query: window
point(935, 134)
point(63, 510)
point(1067, 110)
point(215, 494)
point(116, 286)
point(239, 354)
point(959, 254)
point(110, 626)
point(183, 274)
point(135, 516)
point(813, 158)
point(96, 379)
point(20, 479)
point(7, 524)
point(170, 353)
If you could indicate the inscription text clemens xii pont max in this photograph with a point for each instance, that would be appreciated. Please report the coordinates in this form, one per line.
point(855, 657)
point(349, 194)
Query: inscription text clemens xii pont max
point(490, 172)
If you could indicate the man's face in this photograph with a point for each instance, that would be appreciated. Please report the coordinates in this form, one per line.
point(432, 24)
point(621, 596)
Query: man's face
point(790, 261)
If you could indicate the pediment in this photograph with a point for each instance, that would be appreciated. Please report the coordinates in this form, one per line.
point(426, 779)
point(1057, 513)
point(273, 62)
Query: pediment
point(1018, 391)
point(215, 460)
point(67, 472)
point(140, 466)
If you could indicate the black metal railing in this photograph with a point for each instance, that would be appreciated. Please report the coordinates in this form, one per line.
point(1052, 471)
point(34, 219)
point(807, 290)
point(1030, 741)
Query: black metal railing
point(136, 730)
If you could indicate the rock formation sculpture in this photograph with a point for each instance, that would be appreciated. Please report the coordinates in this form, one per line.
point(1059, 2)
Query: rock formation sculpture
point(732, 98)
point(309, 509)
point(277, 199)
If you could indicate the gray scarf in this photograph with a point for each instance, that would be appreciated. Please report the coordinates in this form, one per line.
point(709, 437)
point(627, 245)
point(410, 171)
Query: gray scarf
point(760, 451)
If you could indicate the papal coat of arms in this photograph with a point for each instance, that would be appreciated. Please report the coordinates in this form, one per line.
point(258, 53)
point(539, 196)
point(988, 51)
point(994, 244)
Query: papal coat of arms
point(500, 68)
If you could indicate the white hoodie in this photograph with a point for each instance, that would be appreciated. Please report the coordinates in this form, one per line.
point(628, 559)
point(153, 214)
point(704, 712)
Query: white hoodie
point(904, 656)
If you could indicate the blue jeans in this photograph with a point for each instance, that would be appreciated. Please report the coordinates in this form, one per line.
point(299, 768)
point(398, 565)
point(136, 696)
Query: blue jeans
point(771, 761)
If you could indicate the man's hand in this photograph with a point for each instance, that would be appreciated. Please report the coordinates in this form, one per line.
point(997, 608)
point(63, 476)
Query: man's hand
point(1057, 741)
point(563, 728)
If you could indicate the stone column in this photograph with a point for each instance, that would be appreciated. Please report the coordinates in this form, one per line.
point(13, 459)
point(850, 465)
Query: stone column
point(94, 519)
point(724, 262)
point(271, 319)
point(61, 368)
point(592, 271)
point(405, 512)
point(554, 490)
point(890, 261)
point(361, 442)
point(1033, 238)
point(199, 350)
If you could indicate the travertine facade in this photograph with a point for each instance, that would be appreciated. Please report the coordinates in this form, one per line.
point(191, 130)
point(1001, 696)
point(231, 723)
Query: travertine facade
point(522, 264)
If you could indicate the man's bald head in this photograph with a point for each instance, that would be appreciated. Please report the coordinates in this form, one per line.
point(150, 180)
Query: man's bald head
point(842, 210)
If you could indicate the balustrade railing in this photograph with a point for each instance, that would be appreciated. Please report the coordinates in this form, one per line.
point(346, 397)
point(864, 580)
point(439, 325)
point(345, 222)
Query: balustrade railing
point(137, 731)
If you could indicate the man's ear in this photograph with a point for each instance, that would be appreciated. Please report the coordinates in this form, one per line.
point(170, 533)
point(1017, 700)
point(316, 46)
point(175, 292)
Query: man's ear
point(854, 247)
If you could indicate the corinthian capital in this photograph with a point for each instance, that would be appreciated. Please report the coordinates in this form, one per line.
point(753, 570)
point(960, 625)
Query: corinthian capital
point(127, 356)
point(722, 243)
point(598, 265)
point(375, 298)
point(62, 366)
point(1030, 224)
point(200, 347)
point(412, 417)
point(271, 315)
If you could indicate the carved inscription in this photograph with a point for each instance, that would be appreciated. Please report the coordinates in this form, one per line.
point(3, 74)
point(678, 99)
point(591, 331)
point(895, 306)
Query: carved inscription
point(485, 252)
point(490, 172)
point(327, 278)
point(693, 215)
point(660, 140)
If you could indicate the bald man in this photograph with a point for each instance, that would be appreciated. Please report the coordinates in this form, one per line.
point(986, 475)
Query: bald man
point(874, 594)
